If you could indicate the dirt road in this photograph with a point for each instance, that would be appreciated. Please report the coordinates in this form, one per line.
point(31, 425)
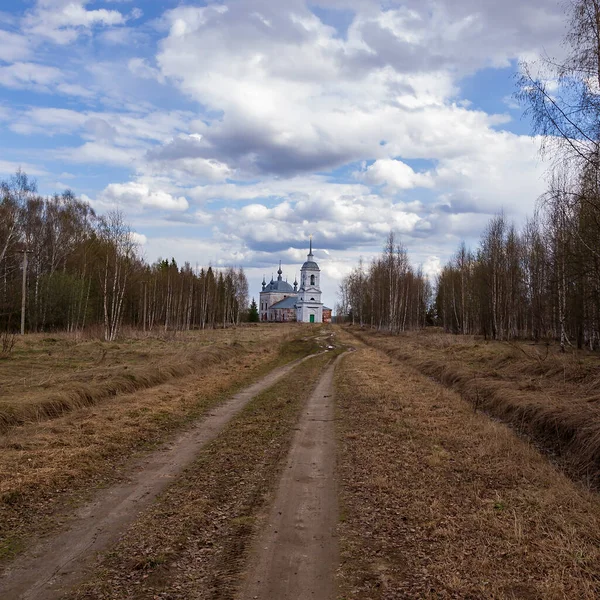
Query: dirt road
point(61, 561)
point(297, 553)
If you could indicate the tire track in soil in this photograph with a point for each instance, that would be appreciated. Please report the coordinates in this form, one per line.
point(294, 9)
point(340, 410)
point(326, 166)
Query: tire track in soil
point(58, 563)
point(296, 555)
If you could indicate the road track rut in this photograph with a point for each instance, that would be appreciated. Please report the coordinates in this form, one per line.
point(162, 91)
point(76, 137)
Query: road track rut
point(296, 555)
point(59, 562)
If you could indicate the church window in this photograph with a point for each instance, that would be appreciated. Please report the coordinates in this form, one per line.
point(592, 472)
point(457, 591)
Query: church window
point(312, 280)
point(312, 299)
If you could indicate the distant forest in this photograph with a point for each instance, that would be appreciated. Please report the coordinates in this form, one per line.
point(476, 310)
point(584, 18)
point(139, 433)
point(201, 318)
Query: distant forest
point(387, 294)
point(71, 269)
point(540, 283)
point(543, 281)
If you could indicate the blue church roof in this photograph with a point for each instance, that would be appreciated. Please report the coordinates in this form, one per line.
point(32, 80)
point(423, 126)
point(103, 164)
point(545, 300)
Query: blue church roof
point(279, 286)
point(289, 302)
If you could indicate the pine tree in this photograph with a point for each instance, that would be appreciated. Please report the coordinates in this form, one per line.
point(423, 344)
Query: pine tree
point(253, 312)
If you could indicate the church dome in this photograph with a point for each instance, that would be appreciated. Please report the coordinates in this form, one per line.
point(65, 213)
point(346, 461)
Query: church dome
point(310, 265)
point(279, 286)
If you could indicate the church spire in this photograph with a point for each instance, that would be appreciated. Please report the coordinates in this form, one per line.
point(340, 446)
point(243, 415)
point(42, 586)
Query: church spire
point(310, 253)
point(279, 272)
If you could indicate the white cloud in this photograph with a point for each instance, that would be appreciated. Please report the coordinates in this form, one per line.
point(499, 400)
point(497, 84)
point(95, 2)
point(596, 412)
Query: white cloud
point(29, 75)
point(8, 168)
point(136, 193)
point(48, 121)
point(100, 153)
point(40, 78)
point(338, 220)
point(395, 175)
point(196, 168)
point(139, 238)
point(432, 267)
point(74, 89)
point(511, 103)
point(502, 172)
point(14, 47)
point(63, 21)
point(299, 98)
point(140, 68)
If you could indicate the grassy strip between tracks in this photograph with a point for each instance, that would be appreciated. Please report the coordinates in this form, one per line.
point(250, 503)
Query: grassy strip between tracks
point(194, 542)
point(49, 468)
point(438, 501)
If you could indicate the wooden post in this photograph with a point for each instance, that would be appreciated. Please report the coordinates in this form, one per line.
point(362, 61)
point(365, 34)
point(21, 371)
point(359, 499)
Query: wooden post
point(24, 292)
point(145, 302)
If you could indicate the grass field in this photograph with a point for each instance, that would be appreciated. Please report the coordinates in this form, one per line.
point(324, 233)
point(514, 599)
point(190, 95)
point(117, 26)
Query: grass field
point(552, 398)
point(439, 501)
point(46, 376)
point(52, 462)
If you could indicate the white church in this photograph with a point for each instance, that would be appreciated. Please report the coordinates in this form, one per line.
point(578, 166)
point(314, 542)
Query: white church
point(280, 302)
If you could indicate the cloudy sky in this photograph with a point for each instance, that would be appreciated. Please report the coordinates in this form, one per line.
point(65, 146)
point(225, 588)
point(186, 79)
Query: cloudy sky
point(227, 132)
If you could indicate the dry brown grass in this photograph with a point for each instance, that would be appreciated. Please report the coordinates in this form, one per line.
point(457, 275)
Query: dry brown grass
point(194, 541)
point(438, 501)
point(48, 467)
point(44, 377)
point(552, 398)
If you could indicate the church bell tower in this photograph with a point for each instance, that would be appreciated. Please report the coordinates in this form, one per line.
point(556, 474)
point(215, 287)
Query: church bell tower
point(309, 308)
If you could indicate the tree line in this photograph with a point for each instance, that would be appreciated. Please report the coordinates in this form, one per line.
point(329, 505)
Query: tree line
point(539, 283)
point(65, 268)
point(544, 281)
point(387, 294)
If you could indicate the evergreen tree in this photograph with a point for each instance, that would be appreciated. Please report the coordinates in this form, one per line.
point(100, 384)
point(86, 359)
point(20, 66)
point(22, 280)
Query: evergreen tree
point(253, 312)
